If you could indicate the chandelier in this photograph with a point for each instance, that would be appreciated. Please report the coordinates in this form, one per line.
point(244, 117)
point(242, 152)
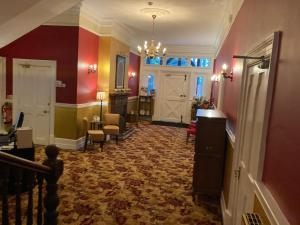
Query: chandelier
point(151, 49)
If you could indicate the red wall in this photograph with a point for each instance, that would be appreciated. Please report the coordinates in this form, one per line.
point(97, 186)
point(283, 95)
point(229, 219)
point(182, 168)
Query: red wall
point(134, 66)
point(256, 20)
point(58, 43)
point(87, 54)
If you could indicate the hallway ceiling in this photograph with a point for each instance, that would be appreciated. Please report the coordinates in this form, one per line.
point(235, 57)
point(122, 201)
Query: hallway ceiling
point(18, 17)
point(189, 22)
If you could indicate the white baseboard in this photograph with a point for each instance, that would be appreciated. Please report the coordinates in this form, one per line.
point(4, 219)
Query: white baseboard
point(70, 143)
point(269, 204)
point(226, 214)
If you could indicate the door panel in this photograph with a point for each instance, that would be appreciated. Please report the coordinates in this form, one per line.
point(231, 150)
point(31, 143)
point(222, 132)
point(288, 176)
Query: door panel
point(251, 136)
point(174, 97)
point(32, 95)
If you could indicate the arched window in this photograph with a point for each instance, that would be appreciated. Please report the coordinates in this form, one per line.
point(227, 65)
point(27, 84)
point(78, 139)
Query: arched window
point(201, 62)
point(151, 85)
point(172, 61)
point(177, 61)
point(153, 61)
point(199, 86)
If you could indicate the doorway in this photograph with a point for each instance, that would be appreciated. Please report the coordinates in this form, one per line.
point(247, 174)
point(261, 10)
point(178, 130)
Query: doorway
point(34, 94)
point(255, 104)
point(173, 106)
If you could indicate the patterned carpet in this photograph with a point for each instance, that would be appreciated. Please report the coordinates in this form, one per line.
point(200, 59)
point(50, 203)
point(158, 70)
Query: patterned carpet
point(146, 179)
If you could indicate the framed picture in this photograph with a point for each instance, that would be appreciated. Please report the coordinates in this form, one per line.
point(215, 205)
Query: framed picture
point(120, 71)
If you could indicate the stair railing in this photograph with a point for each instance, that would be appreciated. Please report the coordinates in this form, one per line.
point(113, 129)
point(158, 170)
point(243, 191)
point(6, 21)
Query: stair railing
point(33, 173)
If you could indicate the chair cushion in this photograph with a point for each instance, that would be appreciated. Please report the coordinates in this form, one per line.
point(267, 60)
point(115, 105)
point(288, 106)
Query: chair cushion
point(111, 129)
point(96, 135)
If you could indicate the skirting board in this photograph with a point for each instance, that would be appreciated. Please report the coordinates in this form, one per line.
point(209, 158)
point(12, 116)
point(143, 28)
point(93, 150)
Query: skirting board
point(70, 143)
point(226, 214)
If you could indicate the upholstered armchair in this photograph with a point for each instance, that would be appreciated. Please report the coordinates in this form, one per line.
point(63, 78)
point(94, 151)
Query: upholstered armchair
point(94, 136)
point(111, 125)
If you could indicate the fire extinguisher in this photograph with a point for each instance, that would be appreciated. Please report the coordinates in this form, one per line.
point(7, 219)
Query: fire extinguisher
point(7, 113)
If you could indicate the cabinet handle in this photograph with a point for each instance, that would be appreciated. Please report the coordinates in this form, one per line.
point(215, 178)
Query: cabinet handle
point(209, 147)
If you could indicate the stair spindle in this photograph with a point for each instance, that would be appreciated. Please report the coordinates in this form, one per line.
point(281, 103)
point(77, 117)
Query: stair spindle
point(40, 199)
point(18, 188)
point(30, 185)
point(4, 192)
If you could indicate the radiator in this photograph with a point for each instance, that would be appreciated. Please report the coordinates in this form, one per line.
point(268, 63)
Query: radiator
point(251, 219)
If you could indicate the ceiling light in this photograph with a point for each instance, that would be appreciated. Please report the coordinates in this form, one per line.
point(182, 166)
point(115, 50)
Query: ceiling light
point(152, 49)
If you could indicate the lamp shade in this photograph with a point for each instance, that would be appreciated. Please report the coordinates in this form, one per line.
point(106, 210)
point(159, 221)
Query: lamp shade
point(100, 95)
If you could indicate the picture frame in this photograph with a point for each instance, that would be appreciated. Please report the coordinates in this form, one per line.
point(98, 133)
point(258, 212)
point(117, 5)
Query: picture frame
point(120, 71)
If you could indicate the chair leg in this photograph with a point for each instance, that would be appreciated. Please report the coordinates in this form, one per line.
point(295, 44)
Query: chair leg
point(187, 137)
point(101, 145)
point(85, 142)
point(117, 138)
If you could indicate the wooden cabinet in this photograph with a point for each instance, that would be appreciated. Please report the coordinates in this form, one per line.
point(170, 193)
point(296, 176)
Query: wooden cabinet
point(209, 152)
point(145, 106)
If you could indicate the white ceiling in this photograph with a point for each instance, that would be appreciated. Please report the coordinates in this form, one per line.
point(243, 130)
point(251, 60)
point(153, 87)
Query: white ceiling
point(18, 17)
point(190, 22)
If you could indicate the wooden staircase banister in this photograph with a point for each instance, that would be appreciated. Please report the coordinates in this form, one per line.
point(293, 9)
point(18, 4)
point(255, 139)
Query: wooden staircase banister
point(50, 170)
point(15, 161)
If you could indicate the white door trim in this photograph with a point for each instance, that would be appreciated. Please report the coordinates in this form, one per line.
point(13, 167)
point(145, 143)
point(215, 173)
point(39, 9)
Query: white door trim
point(51, 64)
point(2, 85)
point(269, 47)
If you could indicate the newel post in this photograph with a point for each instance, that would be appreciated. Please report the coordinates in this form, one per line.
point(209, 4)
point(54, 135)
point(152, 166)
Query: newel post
point(51, 199)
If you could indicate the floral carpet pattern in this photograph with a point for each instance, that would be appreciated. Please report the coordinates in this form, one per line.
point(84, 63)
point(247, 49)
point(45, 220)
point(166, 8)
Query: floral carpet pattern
point(144, 180)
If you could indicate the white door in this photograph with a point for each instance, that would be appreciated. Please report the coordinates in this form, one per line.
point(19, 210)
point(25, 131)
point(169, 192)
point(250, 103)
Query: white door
point(252, 122)
point(174, 99)
point(33, 82)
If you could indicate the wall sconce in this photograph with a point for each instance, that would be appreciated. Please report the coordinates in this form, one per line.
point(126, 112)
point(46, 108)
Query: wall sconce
point(132, 75)
point(225, 74)
point(216, 78)
point(92, 68)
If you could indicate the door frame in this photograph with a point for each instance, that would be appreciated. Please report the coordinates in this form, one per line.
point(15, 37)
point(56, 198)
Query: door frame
point(51, 64)
point(2, 85)
point(269, 46)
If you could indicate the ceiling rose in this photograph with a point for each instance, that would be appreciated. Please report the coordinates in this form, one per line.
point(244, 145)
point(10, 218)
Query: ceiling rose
point(155, 11)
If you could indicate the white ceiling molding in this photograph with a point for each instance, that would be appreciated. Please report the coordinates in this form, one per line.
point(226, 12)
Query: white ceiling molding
point(106, 27)
point(67, 18)
point(31, 18)
point(231, 12)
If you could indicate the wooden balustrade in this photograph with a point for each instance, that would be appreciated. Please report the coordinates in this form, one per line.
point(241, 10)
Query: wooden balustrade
point(32, 173)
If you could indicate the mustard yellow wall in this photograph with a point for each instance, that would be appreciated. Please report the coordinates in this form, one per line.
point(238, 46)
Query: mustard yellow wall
point(104, 63)
point(68, 121)
point(88, 112)
point(109, 48)
point(118, 48)
point(65, 123)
